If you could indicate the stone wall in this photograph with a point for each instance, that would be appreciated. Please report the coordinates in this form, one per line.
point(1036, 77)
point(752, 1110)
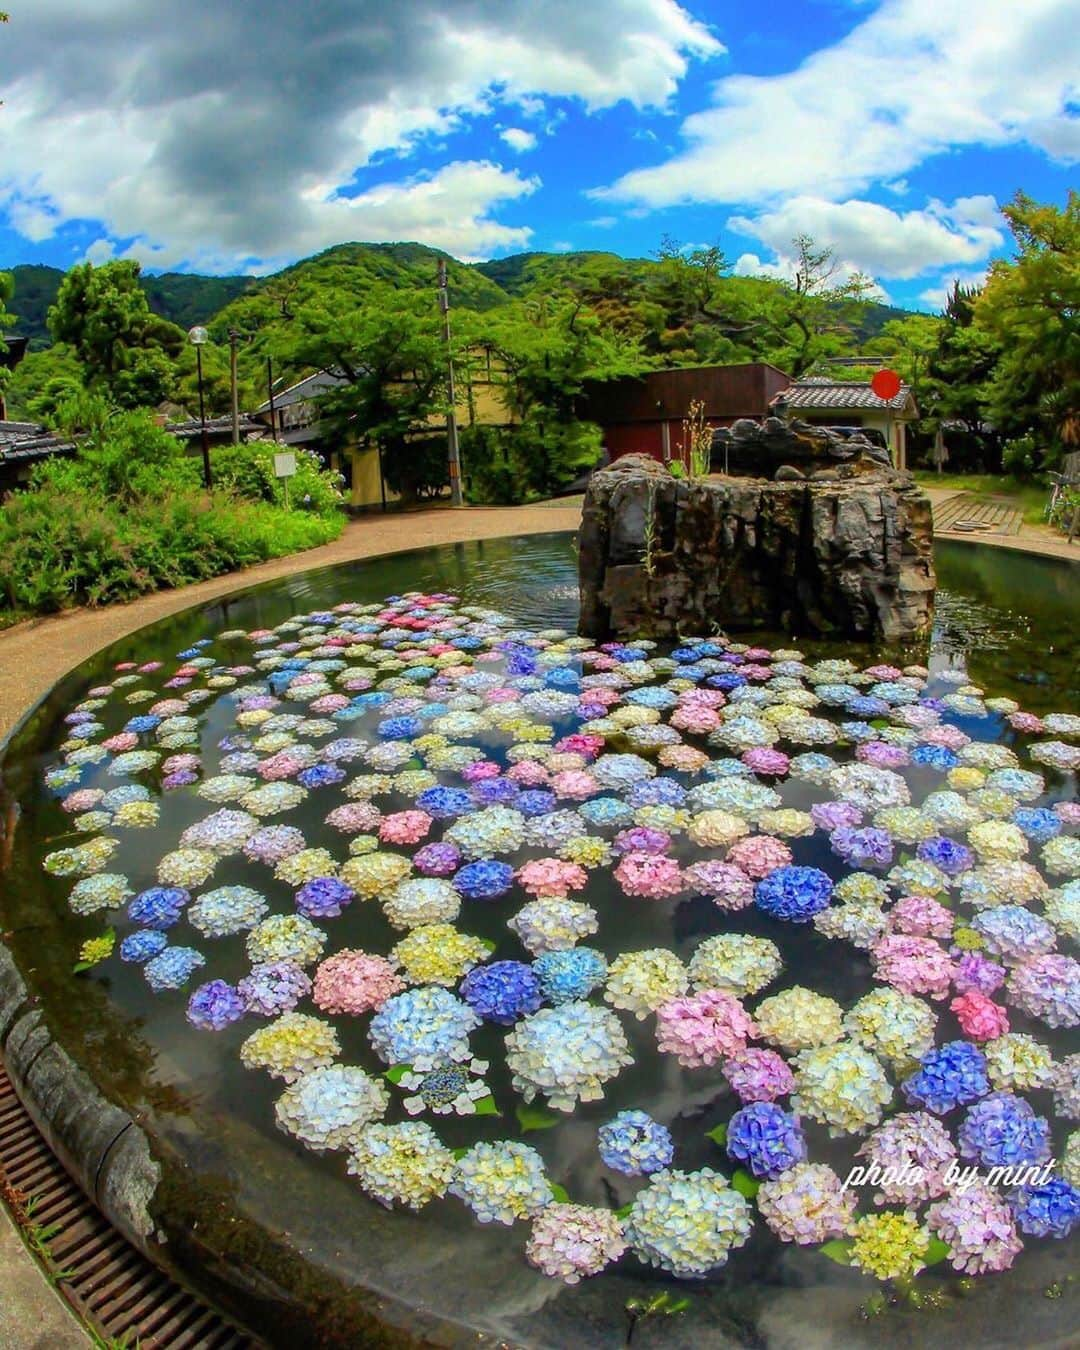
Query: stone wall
point(846, 551)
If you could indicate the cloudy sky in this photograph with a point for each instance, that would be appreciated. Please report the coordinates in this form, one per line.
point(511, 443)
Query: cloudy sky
point(235, 135)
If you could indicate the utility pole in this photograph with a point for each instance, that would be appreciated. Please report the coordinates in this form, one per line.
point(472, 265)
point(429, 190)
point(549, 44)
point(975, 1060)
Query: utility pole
point(454, 454)
point(270, 395)
point(233, 338)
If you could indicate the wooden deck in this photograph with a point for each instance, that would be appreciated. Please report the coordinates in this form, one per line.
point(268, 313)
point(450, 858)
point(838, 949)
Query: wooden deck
point(965, 513)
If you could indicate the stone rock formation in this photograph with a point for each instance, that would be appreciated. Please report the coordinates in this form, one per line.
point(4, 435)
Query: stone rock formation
point(828, 540)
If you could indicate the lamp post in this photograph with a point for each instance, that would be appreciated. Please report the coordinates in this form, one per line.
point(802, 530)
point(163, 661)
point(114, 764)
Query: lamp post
point(454, 454)
point(198, 336)
point(234, 337)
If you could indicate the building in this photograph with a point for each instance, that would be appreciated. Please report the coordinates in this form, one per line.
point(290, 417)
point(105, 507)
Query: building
point(644, 414)
point(849, 404)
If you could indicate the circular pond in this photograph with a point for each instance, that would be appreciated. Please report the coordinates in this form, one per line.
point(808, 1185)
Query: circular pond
point(398, 898)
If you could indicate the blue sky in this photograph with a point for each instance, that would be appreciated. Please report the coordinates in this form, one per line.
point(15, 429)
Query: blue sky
point(256, 133)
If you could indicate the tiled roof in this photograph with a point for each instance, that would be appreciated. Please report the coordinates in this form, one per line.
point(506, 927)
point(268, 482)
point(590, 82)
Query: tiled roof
point(29, 440)
point(819, 392)
point(17, 431)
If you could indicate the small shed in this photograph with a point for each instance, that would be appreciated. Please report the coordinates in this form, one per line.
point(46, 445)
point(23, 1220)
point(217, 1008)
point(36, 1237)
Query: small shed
point(849, 404)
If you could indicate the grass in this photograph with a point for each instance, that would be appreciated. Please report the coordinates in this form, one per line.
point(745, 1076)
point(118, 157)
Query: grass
point(1031, 498)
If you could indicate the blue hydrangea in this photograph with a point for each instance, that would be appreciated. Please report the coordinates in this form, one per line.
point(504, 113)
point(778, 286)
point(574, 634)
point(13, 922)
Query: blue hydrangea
point(562, 677)
point(861, 848)
point(950, 1075)
point(158, 907)
point(656, 792)
point(444, 803)
point(726, 681)
point(935, 757)
point(1037, 823)
point(172, 968)
point(1003, 1130)
point(495, 791)
point(144, 722)
point(952, 858)
point(323, 898)
point(794, 894)
point(535, 802)
point(215, 1005)
point(427, 1028)
point(635, 1144)
point(142, 945)
point(867, 706)
point(606, 811)
point(503, 991)
point(569, 975)
point(321, 775)
point(767, 1138)
point(1049, 1210)
point(400, 728)
point(485, 879)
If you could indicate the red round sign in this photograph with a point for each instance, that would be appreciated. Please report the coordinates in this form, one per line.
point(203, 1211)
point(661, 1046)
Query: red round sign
point(885, 384)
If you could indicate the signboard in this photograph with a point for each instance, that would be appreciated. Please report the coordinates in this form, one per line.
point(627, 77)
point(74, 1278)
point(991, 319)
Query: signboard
point(284, 464)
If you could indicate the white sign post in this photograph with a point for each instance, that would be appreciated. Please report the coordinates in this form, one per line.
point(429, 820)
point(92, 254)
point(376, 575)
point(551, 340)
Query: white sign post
point(285, 467)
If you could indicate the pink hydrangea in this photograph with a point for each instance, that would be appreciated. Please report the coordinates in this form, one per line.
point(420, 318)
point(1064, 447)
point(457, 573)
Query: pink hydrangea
point(82, 799)
point(329, 703)
point(952, 738)
point(763, 759)
point(978, 1227)
point(920, 916)
point(759, 854)
point(354, 982)
point(1026, 722)
point(759, 1075)
point(650, 875)
point(1068, 812)
point(551, 877)
point(696, 718)
point(404, 827)
point(575, 784)
point(569, 1242)
point(479, 770)
point(123, 740)
point(529, 774)
point(354, 818)
point(701, 1028)
point(882, 754)
point(914, 965)
point(580, 742)
point(980, 1017)
point(726, 885)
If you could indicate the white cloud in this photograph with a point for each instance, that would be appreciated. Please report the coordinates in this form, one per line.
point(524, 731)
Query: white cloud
point(783, 268)
point(936, 296)
point(603, 222)
point(882, 242)
point(235, 136)
point(517, 138)
point(915, 78)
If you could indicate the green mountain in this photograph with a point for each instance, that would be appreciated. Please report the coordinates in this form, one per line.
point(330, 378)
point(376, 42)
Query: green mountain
point(182, 298)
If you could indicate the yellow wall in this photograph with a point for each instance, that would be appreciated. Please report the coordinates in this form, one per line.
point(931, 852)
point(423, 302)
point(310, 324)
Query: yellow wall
point(366, 488)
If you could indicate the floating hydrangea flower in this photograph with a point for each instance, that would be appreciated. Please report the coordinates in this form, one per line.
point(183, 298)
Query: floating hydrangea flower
point(639, 982)
point(323, 898)
point(426, 1027)
point(172, 968)
point(105, 890)
point(1014, 933)
point(866, 847)
point(980, 1017)
point(553, 925)
point(842, 1086)
point(214, 1006)
point(1051, 1209)
point(703, 1028)
point(141, 945)
point(635, 1144)
point(914, 965)
point(758, 1075)
point(572, 1242)
point(766, 1138)
point(735, 962)
point(373, 874)
point(403, 1163)
point(501, 1182)
point(951, 1075)
point(728, 886)
point(807, 1204)
point(569, 975)
point(897, 1027)
point(798, 1018)
point(494, 830)
point(544, 877)
point(978, 1228)
point(285, 937)
point(759, 855)
point(566, 1053)
point(687, 1222)
point(912, 1152)
point(1002, 1130)
point(1016, 1061)
point(354, 982)
point(421, 900)
point(794, 894)
point(186, 867)
point(502, 991)
point(159, 907)
point(1048, 988)
point(650, 876)
point(227, 910)
point(274, 987)
point(271, 843)
point(889, 1246)
point(328, 1107)
point(1061, 856)
point(438, 954)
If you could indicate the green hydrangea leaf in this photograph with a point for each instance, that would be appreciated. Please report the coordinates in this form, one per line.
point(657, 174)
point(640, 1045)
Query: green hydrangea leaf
point(745, 1184)
point(560, 1193)
point(533, 1118)
point(486, 1107)
point(838, 1250)
point(397, 1073)
point(936, 1251)
point(718, 1135)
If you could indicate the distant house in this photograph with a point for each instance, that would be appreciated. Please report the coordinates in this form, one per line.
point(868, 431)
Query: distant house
point(851, 403)
point(644, 414)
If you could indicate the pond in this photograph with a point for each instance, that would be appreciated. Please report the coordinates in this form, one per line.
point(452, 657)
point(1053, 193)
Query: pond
point(259, 1212)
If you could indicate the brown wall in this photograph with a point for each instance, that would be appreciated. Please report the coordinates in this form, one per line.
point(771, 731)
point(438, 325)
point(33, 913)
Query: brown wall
point(728, 392)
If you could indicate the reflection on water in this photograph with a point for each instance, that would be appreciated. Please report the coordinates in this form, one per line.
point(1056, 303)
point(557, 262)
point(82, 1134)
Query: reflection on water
point(1010, 618)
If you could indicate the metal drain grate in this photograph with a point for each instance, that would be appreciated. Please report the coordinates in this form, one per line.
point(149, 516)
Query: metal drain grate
point(108, 1283)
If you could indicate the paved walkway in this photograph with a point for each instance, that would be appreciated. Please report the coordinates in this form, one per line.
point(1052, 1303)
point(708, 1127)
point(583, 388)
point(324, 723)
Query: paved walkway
point(1007, 528)
point(32, 1314)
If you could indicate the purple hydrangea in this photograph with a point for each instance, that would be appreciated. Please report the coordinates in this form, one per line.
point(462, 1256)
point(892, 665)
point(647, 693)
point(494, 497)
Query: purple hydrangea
point(765, 1137)
point(656, 792)
point(836, 815)
point(215, 1005)
point(485, 879)
point(1003, 1130)
point(635, 1144)
point(495, 791)
point(935, 757)
point(503, 991)
point(950, 1075)
point(861, 848)
point(535, 802)
point(321, 775)
point(974, 971)
point(794, 894)
point(323, 898)
point(437, 860)
point(945, 853)
point(274, 987)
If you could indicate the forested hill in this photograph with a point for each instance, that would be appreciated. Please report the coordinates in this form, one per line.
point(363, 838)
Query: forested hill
point(183, 298)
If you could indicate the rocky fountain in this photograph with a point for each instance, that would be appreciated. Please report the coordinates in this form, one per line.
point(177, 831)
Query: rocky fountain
point(807, 530)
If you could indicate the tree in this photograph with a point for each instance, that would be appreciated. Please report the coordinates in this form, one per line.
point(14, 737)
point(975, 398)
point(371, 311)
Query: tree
point(125, 350)
point(909, 345)
point(42, 381)
point(390, 351)
point(1030, 307)
point(7, 319)
point(958, 371)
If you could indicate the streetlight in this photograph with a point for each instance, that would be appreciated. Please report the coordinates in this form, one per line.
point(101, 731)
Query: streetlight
point(197, 336)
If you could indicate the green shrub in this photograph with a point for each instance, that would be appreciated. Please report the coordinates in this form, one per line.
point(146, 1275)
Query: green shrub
point(506, 466)
point(249, 471)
